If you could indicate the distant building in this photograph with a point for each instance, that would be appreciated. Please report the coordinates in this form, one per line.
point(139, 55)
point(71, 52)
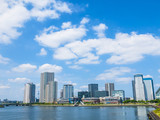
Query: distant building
point(91, 100)
point(101, 93)
point(109, 87)
point(68, 91)
point(29, 93)
point(158, 93)
point(91, 89)
point(138, 87)
point(61, 94)
point(119, 93)
point(48, 88)
point(83, 94)
point(109, 100)
point(149, 88)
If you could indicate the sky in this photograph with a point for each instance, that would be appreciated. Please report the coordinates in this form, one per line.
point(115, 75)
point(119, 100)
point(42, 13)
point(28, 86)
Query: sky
point(81, 41)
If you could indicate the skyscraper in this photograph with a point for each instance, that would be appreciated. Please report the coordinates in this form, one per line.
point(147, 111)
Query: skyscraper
point(138, 87)
point(118, 93)
point(109, 87)
point(149, 88)
point(48, 88)
point(29, 93)
point(91, 89)
point(68, 91)
point(158, 93)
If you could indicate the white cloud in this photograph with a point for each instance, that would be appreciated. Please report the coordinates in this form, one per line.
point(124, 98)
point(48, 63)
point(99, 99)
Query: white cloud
point(25, 68)
point(14, 13)
point(64, 54)
point(84, 20)
point(4, 86)
point(157, 85)
point(67, 82)
point(147, 76)
point(159, 70)
point(4, 60)
point(100, 29)
point(19, 80)
point(115, 74)
point(66, 25)
point(50, 68)
point(55, 39)
point(75, 67)
point(43, 52)
point(84, 87)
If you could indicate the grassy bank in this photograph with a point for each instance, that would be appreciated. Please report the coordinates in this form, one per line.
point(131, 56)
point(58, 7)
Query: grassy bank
point(157, 111)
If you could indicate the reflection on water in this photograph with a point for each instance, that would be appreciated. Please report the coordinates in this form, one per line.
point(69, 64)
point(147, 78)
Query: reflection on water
point(74, 113)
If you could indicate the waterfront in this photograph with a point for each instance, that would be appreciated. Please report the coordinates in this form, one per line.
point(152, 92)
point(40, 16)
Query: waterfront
point(74, 113)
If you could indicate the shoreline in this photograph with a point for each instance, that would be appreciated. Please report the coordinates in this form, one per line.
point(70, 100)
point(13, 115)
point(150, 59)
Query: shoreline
point(110, 105)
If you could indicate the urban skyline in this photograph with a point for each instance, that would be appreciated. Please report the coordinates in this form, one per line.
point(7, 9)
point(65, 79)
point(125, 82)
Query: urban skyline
point(79, 43)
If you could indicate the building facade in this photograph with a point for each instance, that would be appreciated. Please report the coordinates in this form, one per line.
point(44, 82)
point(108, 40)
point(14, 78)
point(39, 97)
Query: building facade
point(91, 89)
point(158, 93)
point(138, 87)
point(83, 94)
point(101, 94)
point(149, 89)
point(68, 91)
point(29, 93)
point(48, 88)
point(109, 87)
point(119, 93)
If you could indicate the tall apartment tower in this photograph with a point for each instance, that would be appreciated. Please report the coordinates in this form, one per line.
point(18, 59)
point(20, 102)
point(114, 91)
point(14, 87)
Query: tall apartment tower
point(68, 91)
point(48, 88)
point(149, 88)
point(92, 88)
point(29, 93)
point(109, 87)
point(138, 88)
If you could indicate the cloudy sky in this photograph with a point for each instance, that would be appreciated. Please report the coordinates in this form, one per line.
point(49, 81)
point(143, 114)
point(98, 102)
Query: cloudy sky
point(82, 41)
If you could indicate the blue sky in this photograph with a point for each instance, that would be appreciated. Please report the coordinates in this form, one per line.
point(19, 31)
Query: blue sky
point(81, 41)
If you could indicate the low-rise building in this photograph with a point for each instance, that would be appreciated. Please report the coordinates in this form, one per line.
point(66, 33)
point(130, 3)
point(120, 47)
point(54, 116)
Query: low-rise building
point(91, 100)
point(109, 100)
point(119, 93)
point(101, 93)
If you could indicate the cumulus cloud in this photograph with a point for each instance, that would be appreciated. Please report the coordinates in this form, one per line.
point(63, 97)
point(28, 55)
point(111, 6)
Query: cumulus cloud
point(115, 74)
point(147, 76)
point(4, 86)
point(67, 82)
point(100, 29)
point(19, 80)
point(43, 52)
point(50, 68)
point(55, 39)
point(83, 87)
point(4, 60)
point(84, 20)
point(14, 13)
point(77, 67)
point(25, 68)
point(66, 25)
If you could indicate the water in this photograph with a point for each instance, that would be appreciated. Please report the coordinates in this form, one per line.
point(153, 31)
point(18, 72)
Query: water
point(74, 113)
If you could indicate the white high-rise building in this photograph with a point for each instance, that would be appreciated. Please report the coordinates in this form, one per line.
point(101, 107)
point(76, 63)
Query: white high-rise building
point(29, 93)
point(48, 88)
point(138, 87)
point(109, 87)
point(68, 91)
point(149, 88)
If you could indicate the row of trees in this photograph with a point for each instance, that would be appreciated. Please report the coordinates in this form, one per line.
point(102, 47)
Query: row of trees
point(142, 101)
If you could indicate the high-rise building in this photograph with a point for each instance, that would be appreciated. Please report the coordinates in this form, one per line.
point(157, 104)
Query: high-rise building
point(149, 88)
point(68, 91)
point(48, 88)
point(138, 87)
point(101, 94)
point(91, 89)
point(158, 93)
point(119, 93)
point(109, 87)
point(29, 93)
point(61, 94)
point(83, 94)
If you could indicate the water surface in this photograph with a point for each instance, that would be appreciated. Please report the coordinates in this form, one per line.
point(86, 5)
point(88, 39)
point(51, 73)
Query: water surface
point(74, 113)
